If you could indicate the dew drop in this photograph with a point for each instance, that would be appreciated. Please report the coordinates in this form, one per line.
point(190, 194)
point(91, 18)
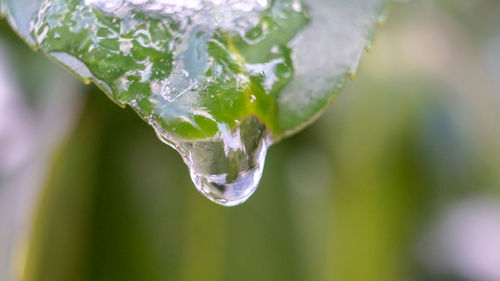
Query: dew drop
point(226, 168)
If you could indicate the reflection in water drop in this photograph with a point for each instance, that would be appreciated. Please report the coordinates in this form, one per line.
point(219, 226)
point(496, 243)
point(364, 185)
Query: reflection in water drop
point(227, 167)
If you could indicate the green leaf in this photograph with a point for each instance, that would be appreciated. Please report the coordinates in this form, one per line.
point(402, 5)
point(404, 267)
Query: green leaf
point(219, 80)
point(186, 70)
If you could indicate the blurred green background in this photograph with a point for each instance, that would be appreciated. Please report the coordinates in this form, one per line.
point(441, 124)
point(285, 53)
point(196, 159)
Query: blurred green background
point(398, 180)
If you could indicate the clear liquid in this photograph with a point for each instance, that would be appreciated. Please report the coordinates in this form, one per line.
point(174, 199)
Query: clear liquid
point(226, 168)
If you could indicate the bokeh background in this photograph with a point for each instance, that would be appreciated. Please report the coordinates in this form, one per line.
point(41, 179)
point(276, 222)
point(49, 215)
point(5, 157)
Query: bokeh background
point(398, 180)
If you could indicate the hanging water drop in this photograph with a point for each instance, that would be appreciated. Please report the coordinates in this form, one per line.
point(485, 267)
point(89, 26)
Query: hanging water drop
point(227, 167)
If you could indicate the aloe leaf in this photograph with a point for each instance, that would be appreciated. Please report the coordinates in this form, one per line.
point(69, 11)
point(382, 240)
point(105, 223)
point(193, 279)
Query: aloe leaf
point(219, 80)
point(186, 70)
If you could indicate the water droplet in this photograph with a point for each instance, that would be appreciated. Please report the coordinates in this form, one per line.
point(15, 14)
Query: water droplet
point(227, 167)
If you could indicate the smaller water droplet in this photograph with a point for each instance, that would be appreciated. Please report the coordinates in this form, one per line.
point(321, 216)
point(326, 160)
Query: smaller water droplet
point(227, 167)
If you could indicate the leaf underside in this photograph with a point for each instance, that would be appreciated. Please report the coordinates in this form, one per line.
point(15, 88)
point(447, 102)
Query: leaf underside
point(187, 72)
